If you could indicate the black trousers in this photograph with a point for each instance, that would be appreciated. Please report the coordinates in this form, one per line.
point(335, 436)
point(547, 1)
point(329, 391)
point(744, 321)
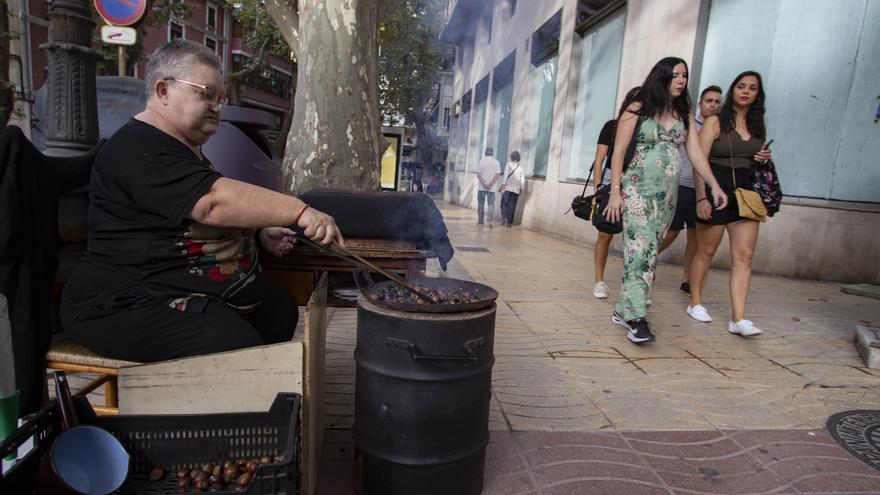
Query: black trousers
point(508, 205)
point(155, 332)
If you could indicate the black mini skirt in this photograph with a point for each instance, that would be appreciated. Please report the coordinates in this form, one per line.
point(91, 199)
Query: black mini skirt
point(730, 213)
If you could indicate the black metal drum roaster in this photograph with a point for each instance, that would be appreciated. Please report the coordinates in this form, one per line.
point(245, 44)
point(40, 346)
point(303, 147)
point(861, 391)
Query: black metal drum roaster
point(422, 393)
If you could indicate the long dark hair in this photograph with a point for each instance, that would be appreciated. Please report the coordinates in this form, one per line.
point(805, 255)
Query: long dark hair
point(628, 99)
point(654, 94)
point(755, 114)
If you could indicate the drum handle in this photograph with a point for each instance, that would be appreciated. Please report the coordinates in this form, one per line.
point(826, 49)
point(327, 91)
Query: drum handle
point(417, 355)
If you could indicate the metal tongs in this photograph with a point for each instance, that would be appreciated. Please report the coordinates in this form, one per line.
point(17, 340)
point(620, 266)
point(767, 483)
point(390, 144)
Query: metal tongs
point(345, 254)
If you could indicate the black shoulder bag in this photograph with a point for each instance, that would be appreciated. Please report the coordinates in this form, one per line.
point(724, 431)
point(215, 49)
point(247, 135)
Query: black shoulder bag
point(603, 193)
point(582, 205)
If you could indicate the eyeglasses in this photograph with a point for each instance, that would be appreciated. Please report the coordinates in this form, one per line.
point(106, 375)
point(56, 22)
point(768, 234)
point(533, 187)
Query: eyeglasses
point(209, 93)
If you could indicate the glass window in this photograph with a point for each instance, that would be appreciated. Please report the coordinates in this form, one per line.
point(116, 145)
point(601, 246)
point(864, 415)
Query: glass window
point(211, 43)
point(175, 30)
point(478, 137)
point(211, 17)
point(597, 74)
point(462, 141)
point(541, 99)
point(501, 105)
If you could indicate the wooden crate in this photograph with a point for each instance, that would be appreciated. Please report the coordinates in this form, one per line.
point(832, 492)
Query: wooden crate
point(242, 380)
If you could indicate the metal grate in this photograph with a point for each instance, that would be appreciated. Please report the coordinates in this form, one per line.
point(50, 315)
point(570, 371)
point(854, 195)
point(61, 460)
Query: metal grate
point(859, 433)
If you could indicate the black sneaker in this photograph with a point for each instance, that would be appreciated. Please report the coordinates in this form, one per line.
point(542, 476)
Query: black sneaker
point(639, 331)
point(686, 288)
point(618, 319)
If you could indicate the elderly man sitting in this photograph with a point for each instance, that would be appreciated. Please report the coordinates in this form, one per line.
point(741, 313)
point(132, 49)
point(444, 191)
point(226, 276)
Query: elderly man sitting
point(171, 267)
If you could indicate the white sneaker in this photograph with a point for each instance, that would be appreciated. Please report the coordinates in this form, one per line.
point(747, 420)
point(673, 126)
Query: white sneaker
point(649, 303)
point(699, 313)
point(600, 290)
point(743, 327)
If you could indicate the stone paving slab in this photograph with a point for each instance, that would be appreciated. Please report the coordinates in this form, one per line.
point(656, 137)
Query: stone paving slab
point(577, 408)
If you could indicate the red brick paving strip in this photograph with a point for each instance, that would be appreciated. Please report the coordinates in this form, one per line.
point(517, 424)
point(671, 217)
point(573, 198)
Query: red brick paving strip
point(667, 462)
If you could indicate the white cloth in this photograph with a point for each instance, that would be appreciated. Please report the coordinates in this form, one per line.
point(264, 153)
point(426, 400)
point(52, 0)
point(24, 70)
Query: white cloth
point(487, 168)
point(513, 178)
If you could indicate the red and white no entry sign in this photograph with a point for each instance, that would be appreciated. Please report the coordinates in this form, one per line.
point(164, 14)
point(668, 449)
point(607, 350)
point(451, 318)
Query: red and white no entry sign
point(121, 12)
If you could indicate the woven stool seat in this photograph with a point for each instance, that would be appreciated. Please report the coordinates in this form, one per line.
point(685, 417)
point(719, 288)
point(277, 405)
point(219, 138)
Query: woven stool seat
point(69, 356)
point(67, 351)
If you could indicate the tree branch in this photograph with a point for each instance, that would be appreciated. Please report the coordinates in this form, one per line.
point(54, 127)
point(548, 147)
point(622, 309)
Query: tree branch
point(285, 13)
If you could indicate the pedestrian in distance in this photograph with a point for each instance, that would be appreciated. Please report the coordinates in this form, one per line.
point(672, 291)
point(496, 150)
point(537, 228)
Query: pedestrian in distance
point(511, 188)
point(488, 174)
point(602, 168)
point(733, 140)
point(644, 195)
point(686, 209)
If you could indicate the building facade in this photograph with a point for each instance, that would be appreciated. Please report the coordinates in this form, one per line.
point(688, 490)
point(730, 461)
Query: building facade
point(209, 23)
point(542, 78)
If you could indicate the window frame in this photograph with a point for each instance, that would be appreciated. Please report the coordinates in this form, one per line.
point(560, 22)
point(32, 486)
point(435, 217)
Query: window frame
point(176, 23)
point(209, 6)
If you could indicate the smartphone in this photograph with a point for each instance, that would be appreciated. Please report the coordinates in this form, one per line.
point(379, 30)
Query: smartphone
point(767, 144)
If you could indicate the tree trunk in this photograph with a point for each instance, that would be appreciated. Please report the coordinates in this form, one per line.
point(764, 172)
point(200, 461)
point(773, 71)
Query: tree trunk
point(336, 130)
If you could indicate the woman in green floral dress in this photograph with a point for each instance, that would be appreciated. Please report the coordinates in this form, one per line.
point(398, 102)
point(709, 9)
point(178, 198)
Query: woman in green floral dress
point(645, 194)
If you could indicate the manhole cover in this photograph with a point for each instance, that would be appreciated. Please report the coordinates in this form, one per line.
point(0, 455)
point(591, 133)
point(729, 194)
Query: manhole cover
point(859, 433)
point(472, 249)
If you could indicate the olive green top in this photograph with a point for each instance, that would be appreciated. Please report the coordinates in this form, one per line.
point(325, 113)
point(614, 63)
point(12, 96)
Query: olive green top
point(743, 152)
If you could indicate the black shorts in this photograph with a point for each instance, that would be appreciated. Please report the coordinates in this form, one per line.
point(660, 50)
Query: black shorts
point(730, 213)
point(685, 209)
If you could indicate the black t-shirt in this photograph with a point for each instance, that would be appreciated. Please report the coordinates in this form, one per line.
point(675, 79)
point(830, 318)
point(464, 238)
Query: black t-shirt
point(144, 183)
point(606, 137)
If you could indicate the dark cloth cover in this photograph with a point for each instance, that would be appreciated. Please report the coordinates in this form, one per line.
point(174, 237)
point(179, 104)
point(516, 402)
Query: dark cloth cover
point(30, 184)
point(408, 216)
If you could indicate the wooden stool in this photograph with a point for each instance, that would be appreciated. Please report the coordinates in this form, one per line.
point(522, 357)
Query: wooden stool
point(65, 354)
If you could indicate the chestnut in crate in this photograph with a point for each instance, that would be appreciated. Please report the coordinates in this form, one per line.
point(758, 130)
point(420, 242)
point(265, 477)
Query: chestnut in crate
point(170, 447)
point(224, 476)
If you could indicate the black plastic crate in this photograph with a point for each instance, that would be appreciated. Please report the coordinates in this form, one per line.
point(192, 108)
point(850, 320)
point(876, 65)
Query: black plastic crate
point(174, 441)
point(43, 427)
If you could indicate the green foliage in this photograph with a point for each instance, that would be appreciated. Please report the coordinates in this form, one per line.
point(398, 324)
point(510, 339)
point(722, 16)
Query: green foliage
point(259, 31)
point(410, 55)
point(160, 12)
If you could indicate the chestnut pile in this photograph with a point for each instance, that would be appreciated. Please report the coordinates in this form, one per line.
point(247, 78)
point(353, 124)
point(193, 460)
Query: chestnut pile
point(229, 475)
point(397, 294)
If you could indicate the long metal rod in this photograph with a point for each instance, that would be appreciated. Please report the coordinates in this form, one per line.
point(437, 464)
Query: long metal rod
point(355, 259)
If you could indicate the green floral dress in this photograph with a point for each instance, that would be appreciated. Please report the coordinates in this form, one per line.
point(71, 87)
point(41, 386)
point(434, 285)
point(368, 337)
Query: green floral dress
point(649, 188)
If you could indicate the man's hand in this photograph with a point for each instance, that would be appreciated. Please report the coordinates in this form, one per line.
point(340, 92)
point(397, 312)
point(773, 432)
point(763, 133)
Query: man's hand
point(277, 240)
point(320, 227)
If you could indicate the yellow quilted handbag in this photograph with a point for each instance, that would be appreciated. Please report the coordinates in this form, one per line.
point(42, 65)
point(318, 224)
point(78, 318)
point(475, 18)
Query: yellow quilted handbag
point(749, 202)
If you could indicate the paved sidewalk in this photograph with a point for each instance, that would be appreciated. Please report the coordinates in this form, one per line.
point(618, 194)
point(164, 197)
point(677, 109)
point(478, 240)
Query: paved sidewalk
point(577, 408)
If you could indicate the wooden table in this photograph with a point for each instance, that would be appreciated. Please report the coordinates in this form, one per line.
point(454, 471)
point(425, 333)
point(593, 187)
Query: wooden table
point(300, 270)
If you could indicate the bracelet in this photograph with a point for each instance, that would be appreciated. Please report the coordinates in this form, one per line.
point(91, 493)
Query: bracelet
point(300, 214)
point(703, 199)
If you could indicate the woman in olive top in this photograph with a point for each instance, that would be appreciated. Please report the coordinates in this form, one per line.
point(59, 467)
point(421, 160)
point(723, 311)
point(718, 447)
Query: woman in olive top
point(733, 140)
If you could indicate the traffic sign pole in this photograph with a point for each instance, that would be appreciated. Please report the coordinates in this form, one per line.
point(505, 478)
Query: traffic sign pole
point(122, 60)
